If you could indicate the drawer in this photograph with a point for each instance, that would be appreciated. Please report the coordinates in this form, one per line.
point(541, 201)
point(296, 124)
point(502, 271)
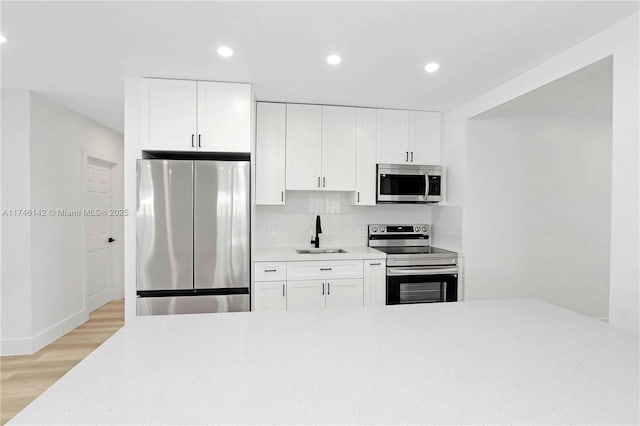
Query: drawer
point(271, 271)
point(320, 270)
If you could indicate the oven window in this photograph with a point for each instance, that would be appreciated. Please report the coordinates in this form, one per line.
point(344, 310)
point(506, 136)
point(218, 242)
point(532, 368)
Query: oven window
point(421, 289)
point(420, 292)
point(391, 184)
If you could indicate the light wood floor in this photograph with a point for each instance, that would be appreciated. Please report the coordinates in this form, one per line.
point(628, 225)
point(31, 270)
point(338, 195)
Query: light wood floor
point(25, 377)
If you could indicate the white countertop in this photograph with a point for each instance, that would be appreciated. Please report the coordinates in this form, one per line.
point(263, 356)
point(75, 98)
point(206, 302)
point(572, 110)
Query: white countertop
point(282, 254)
point(508, 361)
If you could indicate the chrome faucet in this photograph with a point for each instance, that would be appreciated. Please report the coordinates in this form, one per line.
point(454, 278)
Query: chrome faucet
point(316, 241)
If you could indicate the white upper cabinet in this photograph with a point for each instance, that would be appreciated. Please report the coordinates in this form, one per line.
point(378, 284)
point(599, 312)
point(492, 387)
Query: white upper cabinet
point(321, 147)
point(224, 117)
point(304, 147)
point(338, 148)
point(393, 136)
point(168, 115)
point(366, 145)
point(183, 115)
point(424, 140)
point(408, 137)
point(271, 130)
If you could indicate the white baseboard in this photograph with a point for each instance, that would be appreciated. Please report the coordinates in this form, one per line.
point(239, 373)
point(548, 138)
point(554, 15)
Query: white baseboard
point(52, 333)
point(28, 346)
point(20, 346)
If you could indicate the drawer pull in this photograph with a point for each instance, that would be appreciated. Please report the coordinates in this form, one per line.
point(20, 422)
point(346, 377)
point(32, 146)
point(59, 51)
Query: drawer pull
point(270, 270)
point(375, 264)
point(325, 269)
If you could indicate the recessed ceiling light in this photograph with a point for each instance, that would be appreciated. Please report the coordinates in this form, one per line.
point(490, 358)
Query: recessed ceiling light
point(431, 67)
point(225, 51)
point(3, 39)
point(334, 59)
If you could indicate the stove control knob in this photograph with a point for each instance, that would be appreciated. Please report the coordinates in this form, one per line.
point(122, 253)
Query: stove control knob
point(424, 229)
point(383, 229)
point(374, 229)
point(417, 229)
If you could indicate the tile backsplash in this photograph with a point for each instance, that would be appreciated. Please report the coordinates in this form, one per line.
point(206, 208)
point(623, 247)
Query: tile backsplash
point(293, 225)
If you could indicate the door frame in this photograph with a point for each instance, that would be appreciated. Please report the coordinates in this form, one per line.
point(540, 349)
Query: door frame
point(87, 156)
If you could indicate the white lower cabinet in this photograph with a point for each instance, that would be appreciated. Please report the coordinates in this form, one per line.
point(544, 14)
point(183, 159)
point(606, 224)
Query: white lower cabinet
point(344, 294)
point(305, 295)
point(375, 282)
point(270, 296)
point(312, 285)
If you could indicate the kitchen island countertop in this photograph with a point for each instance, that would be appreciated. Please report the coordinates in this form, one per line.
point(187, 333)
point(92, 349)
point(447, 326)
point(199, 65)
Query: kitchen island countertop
point(503, 361)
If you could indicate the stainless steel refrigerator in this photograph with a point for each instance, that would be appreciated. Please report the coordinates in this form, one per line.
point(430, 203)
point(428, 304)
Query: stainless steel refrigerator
point(192, 236)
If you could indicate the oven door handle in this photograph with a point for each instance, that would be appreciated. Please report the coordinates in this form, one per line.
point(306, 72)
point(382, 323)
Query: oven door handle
point(399, 272)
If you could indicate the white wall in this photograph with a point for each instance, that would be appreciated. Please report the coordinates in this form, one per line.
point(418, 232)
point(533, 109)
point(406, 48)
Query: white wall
point(15, 292)
point(58, 142)
point(622, 42)
point(293, 225)
point(535, 209)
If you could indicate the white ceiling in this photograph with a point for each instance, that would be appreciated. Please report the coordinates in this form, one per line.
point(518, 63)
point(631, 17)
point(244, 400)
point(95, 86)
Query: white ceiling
point(78, 53)
point(585, 93)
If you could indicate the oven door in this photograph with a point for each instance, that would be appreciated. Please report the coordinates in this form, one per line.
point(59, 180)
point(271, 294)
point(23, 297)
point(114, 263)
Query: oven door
point(407, 285)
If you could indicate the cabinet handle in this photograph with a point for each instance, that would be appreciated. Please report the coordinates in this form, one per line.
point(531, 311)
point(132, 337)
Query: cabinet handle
point(192, 140)
point(325, 269)
point(358, 196)
point(407, 156)
point(323, 289)
point(412, 156)
point(324, 182)
point(375, 264)
point(318, 181)
point(328, 288)
point(282, 196)
point(199, 145)
point(282, 290)
point(270, 270)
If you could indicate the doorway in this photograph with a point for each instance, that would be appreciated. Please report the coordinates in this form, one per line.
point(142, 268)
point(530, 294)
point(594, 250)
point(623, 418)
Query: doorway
point(98, 252)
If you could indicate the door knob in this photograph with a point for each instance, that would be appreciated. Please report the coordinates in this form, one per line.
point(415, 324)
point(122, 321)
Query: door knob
point(111, 240)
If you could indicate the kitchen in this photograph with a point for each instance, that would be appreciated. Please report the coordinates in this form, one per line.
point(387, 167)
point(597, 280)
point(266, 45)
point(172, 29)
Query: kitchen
point(322, 208)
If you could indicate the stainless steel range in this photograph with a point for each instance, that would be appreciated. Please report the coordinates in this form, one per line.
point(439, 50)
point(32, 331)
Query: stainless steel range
point(416, 271)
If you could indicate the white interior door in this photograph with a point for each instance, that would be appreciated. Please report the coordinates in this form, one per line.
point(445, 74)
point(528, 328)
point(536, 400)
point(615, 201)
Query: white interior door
point(98, 254)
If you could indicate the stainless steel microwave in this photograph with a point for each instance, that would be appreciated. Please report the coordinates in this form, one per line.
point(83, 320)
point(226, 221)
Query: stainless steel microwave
point(409, 183)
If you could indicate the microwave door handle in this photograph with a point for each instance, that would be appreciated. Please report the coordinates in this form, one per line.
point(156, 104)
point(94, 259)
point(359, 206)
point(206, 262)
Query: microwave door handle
point(399, 272)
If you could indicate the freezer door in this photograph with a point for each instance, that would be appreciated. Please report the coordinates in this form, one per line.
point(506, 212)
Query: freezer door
point(165, 225)
point(221, 224)
point(192, 304)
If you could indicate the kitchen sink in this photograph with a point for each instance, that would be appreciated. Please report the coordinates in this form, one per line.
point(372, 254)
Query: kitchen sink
point(319, 250)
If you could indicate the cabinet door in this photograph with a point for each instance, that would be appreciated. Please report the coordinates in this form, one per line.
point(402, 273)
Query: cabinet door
point(375, 282)
point(424, 143)
point(270, 152)
point(393, 139)
point(344, 294)
point(224, 117)
point(270, 296)
point(338, 148)
point(168, 115)
point(305, 295)
point(304, 147)
point(366, 144)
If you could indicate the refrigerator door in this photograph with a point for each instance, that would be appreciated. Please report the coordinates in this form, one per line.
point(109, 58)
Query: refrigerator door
point(192, 304)
point(165, 225)
point(221, 224)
